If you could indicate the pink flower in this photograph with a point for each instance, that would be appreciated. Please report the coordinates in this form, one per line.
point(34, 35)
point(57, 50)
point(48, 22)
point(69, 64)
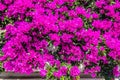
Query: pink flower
point(74, 71)
point(2, 7)
point(99, 3)
point(93, 75)
point(55, 38)
point(116, 71)
point(57, 74)
point(67, 38)
point(102, 48)
point(64, 70)
point(8, 1)
point(43, 73)
point(95, 15)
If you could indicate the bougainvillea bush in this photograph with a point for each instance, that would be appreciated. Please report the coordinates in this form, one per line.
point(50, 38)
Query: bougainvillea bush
point(55, 37)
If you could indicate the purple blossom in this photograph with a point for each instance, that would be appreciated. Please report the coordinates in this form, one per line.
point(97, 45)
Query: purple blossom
point(57, 74)
point(74, 71)
point(64, 70)
point(43, 73)
point(76, 32)
point(67, 38)
point(2, 7)
point(116, 71)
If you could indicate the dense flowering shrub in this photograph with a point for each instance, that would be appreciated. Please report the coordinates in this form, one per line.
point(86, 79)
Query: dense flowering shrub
point(57, 36)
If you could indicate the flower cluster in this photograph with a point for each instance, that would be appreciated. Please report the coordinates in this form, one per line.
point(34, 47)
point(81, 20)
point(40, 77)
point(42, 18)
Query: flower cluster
point(52, 32)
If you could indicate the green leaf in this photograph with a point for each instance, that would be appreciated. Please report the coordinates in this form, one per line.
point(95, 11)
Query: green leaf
point(62, 78)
